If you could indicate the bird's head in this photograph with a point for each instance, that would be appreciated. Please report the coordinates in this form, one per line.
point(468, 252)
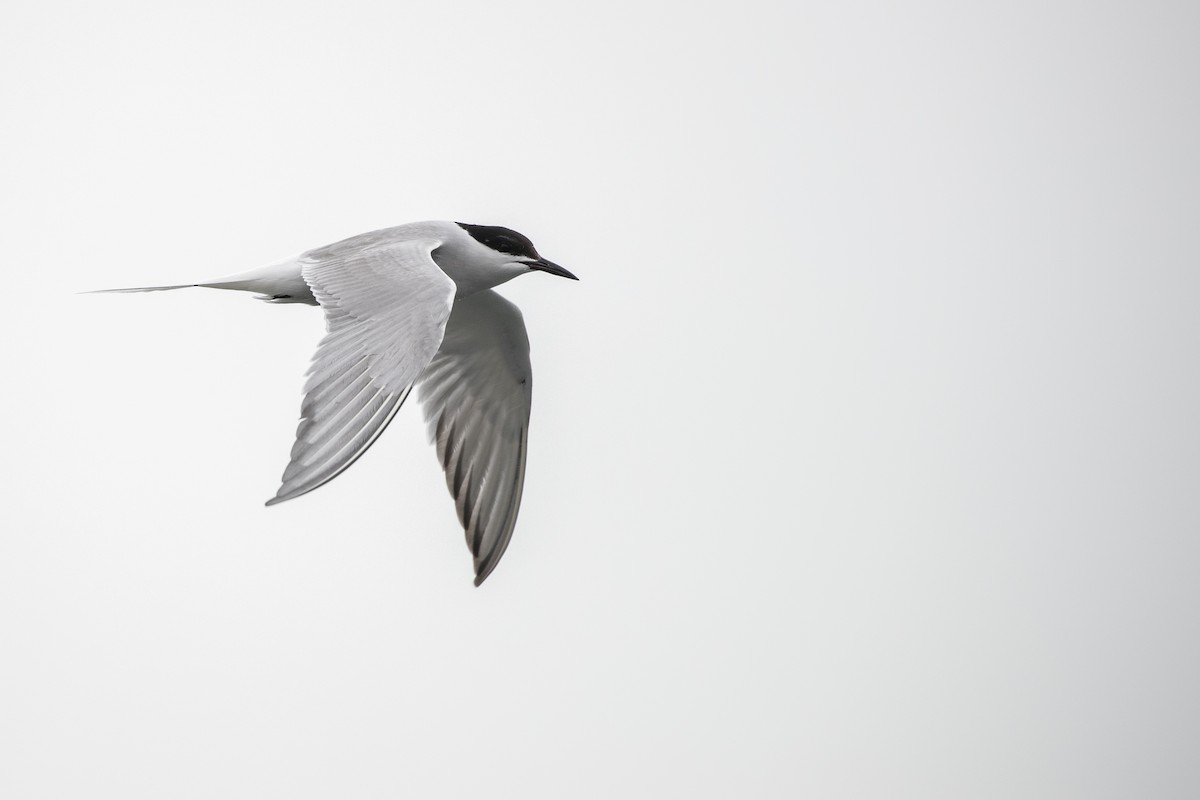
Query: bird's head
point(512, 251)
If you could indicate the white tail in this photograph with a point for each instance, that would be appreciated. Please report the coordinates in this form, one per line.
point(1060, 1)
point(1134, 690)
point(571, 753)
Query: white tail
point(142, 289)
point(278, 283)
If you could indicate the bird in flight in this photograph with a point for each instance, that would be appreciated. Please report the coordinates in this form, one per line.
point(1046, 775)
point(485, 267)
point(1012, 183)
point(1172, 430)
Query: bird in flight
point(413, 306)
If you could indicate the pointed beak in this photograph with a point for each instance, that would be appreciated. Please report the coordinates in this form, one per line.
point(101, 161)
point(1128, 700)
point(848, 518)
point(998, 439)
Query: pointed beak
point(549, 266)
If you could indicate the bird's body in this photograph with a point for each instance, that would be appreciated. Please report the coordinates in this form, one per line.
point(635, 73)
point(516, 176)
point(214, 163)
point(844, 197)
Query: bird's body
point(411, 306)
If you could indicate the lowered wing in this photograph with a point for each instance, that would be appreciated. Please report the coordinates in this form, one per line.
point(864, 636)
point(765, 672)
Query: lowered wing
point(476, 396)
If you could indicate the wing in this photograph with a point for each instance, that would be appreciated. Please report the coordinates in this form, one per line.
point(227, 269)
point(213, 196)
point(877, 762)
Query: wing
point(476, 394)
point(386, 306)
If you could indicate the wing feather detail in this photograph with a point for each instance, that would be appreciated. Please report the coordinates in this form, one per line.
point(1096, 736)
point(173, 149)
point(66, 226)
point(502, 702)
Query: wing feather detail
point(386, 307)
point(476, 395)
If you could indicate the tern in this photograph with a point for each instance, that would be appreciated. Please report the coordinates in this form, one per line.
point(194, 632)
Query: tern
point(413, 306)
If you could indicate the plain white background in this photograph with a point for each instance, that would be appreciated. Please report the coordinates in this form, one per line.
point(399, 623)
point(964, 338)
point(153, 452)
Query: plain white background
point(864, 456)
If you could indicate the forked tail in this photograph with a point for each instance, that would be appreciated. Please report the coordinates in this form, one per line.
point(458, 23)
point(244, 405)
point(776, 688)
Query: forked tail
point(278, 283)
point(143, 289)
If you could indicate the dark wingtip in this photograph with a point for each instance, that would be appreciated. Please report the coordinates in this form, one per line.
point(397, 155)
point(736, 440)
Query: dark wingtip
point(482, 571)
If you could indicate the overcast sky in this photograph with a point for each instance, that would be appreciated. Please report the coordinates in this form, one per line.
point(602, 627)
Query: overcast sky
point(864, 457)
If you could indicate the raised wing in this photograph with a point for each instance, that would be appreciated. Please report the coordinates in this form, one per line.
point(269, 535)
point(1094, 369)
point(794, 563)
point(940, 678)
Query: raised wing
point(476, 394)
point(386, 306)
